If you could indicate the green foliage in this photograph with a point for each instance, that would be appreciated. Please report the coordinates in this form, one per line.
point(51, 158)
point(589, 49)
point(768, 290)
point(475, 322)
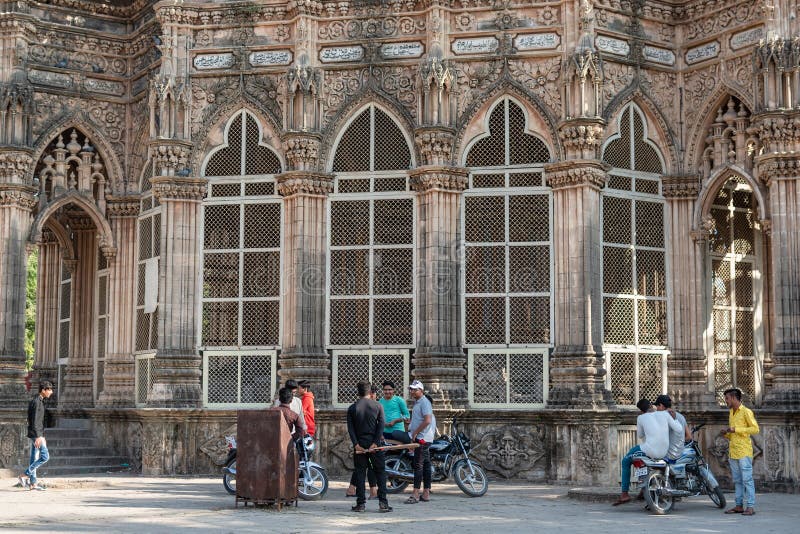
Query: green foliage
point(30, 309)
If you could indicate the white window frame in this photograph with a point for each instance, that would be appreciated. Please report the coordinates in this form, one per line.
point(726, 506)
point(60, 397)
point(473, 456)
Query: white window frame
point(544, 353)
point(144, 358)
point(64, 322)
point(99, 362)
point(273, 356)
point(637, 352)
point(400, 389)
point(152, 214)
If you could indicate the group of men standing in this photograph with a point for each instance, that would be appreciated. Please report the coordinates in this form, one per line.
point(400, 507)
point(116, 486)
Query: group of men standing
point(369, 422)
point(663, 432)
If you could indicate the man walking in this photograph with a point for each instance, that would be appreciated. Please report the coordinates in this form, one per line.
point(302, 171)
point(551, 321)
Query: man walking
point(39, 453)
point(741, 425)
point(365, 425)
point(421, 429)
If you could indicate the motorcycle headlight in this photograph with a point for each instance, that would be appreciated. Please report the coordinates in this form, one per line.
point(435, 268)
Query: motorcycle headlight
point(308, 441)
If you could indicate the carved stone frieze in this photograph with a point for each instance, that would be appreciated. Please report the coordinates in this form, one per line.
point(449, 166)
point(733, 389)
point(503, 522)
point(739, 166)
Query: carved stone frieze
point(616, 77)
point(680, 186)
point(582, 137)
point(435, 145)
point(699, 85)
point(540, 77)
point(231, 14)
point(593, 448)
point(17, 195)
point(15, 165)
point(370, 28)
point(179, 188)
point(439, 177)
point(775, 453)
point(660, 87)
point(302, 151)
point(78, 54)
point(723, 19)
point(170, 157)
point(739, 70)
point(775, 167)
point(117, 207)
point(574, 173)
point(304, 183)
point(511, 450)
point(779, 133)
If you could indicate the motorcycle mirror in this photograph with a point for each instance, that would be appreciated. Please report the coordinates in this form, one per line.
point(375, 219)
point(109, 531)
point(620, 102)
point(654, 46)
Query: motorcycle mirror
point(698, 427)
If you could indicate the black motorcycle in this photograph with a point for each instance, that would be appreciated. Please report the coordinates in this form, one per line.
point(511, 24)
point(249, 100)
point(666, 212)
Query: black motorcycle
point(449, 456)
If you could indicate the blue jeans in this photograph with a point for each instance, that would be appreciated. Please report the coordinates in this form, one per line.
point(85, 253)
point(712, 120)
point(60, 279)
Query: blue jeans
point(742, 474)
point(627, 460)
point(38, 458)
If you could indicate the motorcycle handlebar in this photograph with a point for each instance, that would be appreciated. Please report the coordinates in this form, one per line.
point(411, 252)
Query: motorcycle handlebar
point(698, 427)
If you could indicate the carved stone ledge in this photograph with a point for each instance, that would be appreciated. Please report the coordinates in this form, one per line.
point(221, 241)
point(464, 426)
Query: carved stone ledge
point(20, 196)
point(119, 207)
point(177, 188)
point(435, 145)
point(304, 183)
point(439, 177)
point(576, 173)
point(582, 137)
point(685, 186)
point(302, 151)
point(777, 130)
point(773, 167)
point(171, 157)
point(15, 165)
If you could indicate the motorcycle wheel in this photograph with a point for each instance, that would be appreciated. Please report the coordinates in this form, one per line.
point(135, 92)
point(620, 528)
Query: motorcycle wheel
point(228, 479)
point(474, 483)
point(716, 496)
point(657, 503)
point(312, 486)
point(393, 484)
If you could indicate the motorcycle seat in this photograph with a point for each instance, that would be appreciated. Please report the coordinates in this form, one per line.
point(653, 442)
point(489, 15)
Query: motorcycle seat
point(392, 442)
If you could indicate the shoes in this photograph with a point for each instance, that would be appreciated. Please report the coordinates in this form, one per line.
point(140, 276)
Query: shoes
point(23, 483)
point(411, 500)
point(358, 508)
point(37, 487)
point(384, 508)
point(423, 499)
point(735, 510)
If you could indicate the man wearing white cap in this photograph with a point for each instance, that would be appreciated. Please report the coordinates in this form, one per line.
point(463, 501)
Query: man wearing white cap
point(421, 429)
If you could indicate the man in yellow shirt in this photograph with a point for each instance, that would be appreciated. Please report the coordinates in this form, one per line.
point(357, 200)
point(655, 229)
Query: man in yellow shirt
point(741, 425)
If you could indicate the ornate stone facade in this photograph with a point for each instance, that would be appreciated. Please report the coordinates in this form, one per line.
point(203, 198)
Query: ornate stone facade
point(543, 211)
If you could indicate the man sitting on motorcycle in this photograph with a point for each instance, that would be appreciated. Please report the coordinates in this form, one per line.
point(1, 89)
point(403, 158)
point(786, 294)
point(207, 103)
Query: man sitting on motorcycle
point(652, 429)
point(677, 439)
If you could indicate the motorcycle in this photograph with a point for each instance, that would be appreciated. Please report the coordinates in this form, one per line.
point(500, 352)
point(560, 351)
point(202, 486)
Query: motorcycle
point(312, 483)
point(664, 480)
point(449, 456)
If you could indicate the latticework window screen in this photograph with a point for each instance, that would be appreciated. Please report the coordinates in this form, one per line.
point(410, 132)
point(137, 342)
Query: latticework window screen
point(102, 322)
point(65, 306)
point(143, 379)
point(507, 262)
point(149, 234)
point(734, 274)
point(242, 227)
point(371, 237)
point(239, 378)
point(634, 264)
point(352, 366)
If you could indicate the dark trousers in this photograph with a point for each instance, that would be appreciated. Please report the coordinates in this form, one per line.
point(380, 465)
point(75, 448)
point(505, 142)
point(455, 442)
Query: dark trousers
point(370, 478)
point(422, 466)
point(398, 435)
point(375, 461)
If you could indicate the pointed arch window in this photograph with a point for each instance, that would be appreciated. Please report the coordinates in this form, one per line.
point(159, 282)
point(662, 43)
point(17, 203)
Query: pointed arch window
point(372, 142)
point(634, 263)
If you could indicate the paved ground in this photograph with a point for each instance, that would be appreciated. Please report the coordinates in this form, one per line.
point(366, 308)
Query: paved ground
point(171, 505)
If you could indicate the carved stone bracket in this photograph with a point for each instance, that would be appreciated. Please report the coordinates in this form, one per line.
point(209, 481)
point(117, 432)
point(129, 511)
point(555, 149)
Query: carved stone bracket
point(774, 167)
point(178, 188)
point(439, 177)
point(582, 137)
point(302, 151)
point(680, 186)
point(435, 145)
point(15, 165)
point(119, 207)
point(576, 173)
point(304, 183)
point(17, 195)
point(171, 157)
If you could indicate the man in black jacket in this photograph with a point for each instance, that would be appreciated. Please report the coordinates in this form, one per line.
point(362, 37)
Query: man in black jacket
point(365, 422)
point(39, 453)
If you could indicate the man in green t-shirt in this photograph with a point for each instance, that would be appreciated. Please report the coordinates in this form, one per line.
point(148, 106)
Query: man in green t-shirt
point(396, 414)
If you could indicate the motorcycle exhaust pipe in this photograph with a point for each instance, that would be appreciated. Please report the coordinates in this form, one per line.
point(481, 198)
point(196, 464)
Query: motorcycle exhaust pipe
point(675, 493)
point(394, 473)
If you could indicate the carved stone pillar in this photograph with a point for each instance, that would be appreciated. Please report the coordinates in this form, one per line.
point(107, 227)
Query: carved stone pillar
point(687, 366)
point(438, 359)
point(79, 380)
point(177, 375)
point(576, 365)
point(16, 203)
point(48, 286)
point(118, 373)
point(303, 354)
point(782, 176)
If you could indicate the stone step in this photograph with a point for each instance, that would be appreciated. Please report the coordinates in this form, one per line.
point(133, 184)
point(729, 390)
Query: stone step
point(99, 461)
point(56, 433)
point(71, 470)
point(83, 452)
point(81, 424)
point(70, 443)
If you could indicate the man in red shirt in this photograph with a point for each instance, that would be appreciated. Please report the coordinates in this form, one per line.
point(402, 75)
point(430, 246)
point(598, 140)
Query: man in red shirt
point(307, 398)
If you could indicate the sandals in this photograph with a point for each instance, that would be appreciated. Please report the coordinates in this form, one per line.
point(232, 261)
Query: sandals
point(411, 500)
point(749, 511)
point(423, 499)
point(735, 510)
point(622, 501)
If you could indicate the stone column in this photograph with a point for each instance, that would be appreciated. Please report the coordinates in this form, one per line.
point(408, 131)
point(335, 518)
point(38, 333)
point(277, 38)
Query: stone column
point(782, 176)
point(79, 380)
point(687, 365)
point(303, 354)
point(439, 360)
point(177, 374)
point(576, 365)
point(118, 373)
point(48, 286)
point(16, 203)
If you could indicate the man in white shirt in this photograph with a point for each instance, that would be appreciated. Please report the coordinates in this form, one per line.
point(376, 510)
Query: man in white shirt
point(652, 429)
